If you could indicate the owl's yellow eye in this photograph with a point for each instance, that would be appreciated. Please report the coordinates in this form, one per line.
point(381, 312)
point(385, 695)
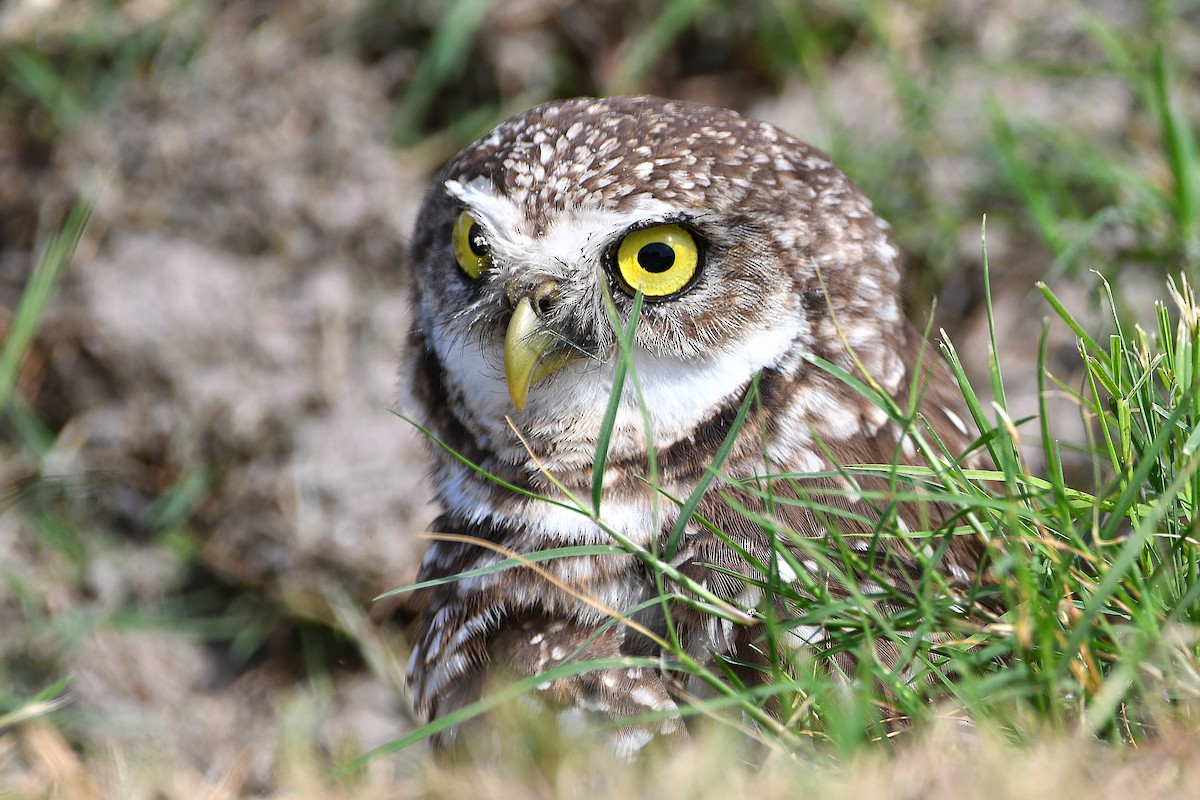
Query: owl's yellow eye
point(661, 261)
point(471, 248)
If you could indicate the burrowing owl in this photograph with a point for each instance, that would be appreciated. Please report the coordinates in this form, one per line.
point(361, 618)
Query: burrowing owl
point(754, 256)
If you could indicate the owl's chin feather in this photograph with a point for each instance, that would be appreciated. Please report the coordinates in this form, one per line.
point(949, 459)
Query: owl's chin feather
point(562, 412)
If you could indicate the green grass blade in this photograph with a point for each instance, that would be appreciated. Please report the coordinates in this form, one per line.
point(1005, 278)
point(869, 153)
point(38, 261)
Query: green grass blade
point(1067, 317)
point(625, 334)
point(993, 352)
point(494, 700)
point(510, 563)
point(431, 436)
point(710, 474)
point(49, 270)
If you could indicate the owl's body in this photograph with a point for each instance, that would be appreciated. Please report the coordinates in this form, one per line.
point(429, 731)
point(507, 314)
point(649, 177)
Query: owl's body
point(753, 254)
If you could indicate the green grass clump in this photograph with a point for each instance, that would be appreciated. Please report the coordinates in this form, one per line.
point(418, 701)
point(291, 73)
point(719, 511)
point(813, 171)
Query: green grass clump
point(55, 69)
point(1081, 619)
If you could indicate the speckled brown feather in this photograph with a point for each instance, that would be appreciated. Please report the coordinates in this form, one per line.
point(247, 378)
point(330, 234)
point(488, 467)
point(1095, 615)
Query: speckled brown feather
point(798, 265)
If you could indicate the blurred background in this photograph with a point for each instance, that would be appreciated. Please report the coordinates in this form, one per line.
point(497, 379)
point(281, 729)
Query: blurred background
point(201, 485)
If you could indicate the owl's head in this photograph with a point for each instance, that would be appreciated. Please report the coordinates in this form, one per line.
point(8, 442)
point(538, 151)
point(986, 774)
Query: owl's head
point(749, 248)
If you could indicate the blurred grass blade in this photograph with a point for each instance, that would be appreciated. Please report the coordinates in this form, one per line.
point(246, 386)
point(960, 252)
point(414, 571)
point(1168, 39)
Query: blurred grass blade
point(1028, 183)
point(1180, 146)
point(440, 63)
point(654, 40)
point(49, 270)
point(37, 77)
point(47, 701)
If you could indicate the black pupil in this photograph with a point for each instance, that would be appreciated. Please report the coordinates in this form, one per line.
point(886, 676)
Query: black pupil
point(656, 257)
point(476, 241)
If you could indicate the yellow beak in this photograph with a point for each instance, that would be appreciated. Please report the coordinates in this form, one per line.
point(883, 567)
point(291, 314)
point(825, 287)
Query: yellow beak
point(529, 353)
